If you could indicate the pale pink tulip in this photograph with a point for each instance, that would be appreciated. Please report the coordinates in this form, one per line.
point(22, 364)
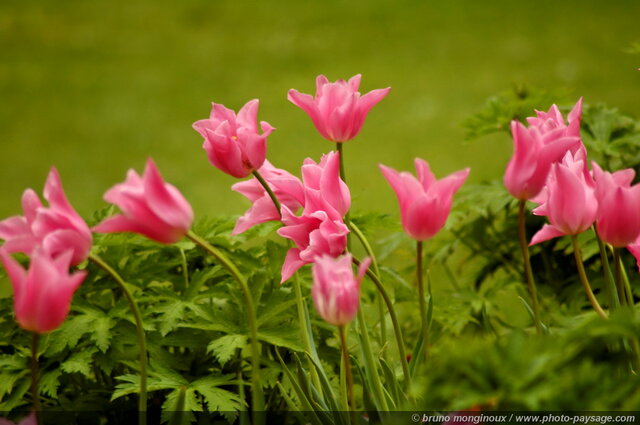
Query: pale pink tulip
point(618, 221)
point(27, 420)
point(57, 228)
point(425, 202)
point(42, 295)
point(314, 234)
point(323, 188)
point(287, 188)
point(570, 201)
point(338, 111)
point(335, 290)
point(149, 207)
point(534, 152)
point(232, 142)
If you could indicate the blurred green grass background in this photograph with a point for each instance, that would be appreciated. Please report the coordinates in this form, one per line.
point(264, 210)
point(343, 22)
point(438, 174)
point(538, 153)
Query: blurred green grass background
point(95, 87)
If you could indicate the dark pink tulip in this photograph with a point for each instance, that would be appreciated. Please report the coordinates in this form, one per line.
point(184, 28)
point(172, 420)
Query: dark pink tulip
point(425, 202)
point(314, 234)
point(335, 290)
point(57, 228)
point(534, 152)
point(618, 221)
point(232, 142)
point(149, 206)
point(27, 420)
point(570, 201)
point(42, 295)
point(287, 188)
point(338, 111)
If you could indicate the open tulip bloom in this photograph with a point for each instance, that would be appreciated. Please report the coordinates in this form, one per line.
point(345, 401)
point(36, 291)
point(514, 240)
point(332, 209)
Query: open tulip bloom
point(338, 110)
point(57, 228)
point(149, 207)
point(42, 295)
point(425, 202)
point(232, 142)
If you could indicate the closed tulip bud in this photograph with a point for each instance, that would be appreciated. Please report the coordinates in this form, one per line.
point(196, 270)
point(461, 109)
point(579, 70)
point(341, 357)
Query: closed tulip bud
point(42, 295)
point(335, 290)
point(57, 228)
point(338, 110)
point(570, 201)
point(618, 221)
point(149, 207)
point(425, 202)
point(232, 143)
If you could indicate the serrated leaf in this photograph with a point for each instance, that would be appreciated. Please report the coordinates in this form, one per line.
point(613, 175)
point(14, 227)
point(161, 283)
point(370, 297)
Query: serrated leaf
point(49, 383)
point(79, 362)
point(224, 348)
point(223, 401)
point(178, 406)
point(101, 333)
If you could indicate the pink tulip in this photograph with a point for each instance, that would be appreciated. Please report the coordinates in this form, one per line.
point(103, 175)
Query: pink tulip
point(553, 123)
point(287, 188)
point(232, 142)
point(27, 420)
point(150, 207)
point(57, 228)
point(314, 234)
point(324, 189)
point(335, 290)
point(338, 111)
point(42, 295)
point(570, 201)
point(425, 202)
point(534, 152)
point(618, 221)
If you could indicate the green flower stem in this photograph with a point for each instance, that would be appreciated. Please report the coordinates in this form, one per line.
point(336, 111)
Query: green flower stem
point(344, 179)
point(583, 278)
point(266, 187)
point(142, 341)
point(257, 395)
point(35, 395)
point(375, 278)
point(423, 304)
point(524, 248)
point(614, 300)
point(374, 262)
point(371, 363)
point(617, 264)
point(347, 368)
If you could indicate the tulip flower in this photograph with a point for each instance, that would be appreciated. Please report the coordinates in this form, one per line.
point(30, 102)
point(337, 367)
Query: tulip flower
point(286, 187)
point(42, 295)
point(425, 202)
point(335, 290)
point(149, 207)
point(534, 152)
point(232, 142)
point(338, 110)
point(323, 188)
point(570, 201)
point(553, 123)
point(57, 228)
point(618, 221)
point(314, 234)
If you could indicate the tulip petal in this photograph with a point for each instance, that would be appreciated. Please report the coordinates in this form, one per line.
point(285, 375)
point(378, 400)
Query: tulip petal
point(547, 232)
point(164, 200)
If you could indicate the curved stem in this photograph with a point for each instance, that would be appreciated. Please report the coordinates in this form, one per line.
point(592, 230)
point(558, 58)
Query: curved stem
point(256, 388)
point(423, 305)
point(35, 395)
point(268, 189)
point(142, 341)
point(614, 300)
point(394, 321)
point(524, 249)
point(617, 264)
point(349, 376)
point(583, 279)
